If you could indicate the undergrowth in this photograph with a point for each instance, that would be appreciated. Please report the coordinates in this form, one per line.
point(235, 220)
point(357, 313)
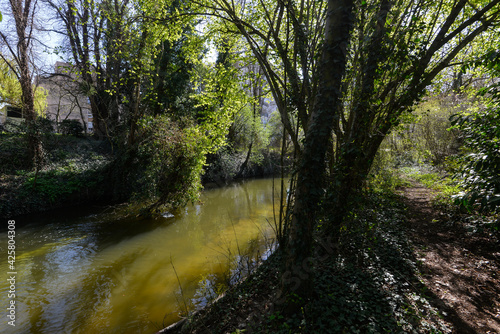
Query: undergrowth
point(74, 171)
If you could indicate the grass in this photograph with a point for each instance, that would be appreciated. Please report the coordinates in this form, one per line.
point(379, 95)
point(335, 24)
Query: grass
point(444, 186)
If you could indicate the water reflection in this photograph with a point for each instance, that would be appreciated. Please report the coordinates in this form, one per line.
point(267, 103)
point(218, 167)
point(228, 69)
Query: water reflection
point(101, 273)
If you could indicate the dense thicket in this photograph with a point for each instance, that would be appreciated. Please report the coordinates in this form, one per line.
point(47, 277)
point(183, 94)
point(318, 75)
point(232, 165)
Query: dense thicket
point(479, 168)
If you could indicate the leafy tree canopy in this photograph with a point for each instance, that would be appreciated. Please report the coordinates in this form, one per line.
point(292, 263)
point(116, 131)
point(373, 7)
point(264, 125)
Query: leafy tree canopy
point(11, 93)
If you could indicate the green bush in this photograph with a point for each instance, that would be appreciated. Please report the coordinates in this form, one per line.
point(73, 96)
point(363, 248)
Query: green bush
point(167, 167)
point(479, 171)
point(71, 127)
point(479, 167)
point(45, 125)
point(14, 126)
point(14, 153)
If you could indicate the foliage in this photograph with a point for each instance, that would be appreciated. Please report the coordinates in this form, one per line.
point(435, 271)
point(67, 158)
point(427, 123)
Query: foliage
point(13, 153)
point(75, 172)
point(10, 90)
point(425, 135)
point(479, 167)
point(222, 166)
point(46, 125)
point(444, 185)
point(175, 63)
point(56, 184)
point(42, 125)
point(169, 162)
point(248, 129)
point(220, 97)
point(385, 180)
point(12, 125)
point(71, 127)
point(116, 68)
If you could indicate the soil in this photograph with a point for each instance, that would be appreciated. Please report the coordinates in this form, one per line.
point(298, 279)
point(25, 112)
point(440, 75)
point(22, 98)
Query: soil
point(460, 267)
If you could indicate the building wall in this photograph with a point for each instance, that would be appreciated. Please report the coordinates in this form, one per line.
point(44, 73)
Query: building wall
point(64, 100)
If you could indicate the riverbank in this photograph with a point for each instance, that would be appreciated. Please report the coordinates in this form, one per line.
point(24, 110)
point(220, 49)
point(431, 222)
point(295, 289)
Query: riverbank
point(385, 278)
point(74, 174)
point(82, 170)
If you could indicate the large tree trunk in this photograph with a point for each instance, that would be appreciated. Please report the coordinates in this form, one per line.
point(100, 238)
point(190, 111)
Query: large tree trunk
point(310, 179)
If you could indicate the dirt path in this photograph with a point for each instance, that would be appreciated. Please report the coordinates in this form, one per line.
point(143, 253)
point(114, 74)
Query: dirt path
point(460, 269)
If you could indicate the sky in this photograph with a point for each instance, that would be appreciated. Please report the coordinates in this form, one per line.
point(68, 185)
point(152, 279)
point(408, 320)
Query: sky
point(45, 59)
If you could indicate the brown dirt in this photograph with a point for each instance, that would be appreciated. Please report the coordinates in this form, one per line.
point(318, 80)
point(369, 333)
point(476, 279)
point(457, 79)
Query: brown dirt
point(460, 269)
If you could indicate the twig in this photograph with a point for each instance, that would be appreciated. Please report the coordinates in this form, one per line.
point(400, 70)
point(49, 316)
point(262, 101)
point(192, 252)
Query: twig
point(180, 285)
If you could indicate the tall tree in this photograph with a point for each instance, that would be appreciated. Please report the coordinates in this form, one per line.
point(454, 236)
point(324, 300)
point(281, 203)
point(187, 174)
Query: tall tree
point(20, 46)
point(94, 31)
point(311, 165)
point(112, 45)
point(396, 49)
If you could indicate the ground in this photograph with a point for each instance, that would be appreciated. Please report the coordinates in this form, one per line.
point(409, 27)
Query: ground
point(460, 264)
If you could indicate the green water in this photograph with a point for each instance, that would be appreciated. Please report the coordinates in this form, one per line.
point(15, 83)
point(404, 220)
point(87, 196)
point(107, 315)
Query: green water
point(101, 272)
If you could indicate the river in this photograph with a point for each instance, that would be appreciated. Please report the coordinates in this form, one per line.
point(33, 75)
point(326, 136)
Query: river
point(97, 270)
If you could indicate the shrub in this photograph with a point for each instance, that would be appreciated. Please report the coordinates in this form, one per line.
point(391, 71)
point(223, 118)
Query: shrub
point(479, 171)
point(45, 125)
point(71, 127)
point(168, 164)
point(479, 168)
point(14, 126)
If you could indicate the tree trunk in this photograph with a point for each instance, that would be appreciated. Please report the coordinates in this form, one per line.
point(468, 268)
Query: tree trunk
point(23, 17)
point(296, 279)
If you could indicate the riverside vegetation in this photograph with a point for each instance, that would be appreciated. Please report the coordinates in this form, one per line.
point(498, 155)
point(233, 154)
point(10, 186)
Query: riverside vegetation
point(368, 95)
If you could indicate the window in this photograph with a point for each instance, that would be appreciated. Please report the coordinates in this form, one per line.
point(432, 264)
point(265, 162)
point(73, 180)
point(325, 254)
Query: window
point(14, 112)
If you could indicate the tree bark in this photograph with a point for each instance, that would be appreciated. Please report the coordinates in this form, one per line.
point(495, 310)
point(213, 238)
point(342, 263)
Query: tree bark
point(296, 279)
point(23, 12)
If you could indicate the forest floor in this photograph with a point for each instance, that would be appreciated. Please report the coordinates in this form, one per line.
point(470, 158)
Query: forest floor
point(459, 263)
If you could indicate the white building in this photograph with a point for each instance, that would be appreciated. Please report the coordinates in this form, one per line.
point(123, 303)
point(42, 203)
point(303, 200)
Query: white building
point(65, 100)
